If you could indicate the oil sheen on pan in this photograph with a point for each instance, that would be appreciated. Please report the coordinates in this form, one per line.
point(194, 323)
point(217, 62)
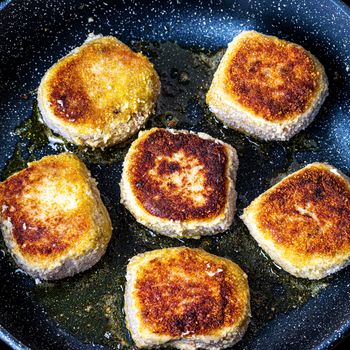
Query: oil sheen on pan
point(86, 311)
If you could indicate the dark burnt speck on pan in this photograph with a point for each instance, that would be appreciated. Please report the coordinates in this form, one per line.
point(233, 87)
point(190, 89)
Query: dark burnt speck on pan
point(185, 40)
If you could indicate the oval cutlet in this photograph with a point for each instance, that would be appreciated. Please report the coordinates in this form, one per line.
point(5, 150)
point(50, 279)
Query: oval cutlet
point(186, 297)
point(100, 94)
point(304, 221)
point(267, 87)
point(54, 222)
point(173, 177)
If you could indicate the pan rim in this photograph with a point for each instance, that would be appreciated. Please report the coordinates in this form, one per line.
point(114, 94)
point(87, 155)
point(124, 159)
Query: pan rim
point(11, 340)
point(328, 343)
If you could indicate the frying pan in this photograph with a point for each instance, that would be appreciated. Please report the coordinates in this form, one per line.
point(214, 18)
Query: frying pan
point(184, 40)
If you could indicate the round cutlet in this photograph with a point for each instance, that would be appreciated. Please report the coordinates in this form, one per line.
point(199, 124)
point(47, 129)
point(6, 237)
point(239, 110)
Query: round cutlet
point(313, 208)
point(100, 94)
point(274, 78)
point(267, 87)
point(179, 177)
point(304, 221)
point(53, 219)
point(186, 297)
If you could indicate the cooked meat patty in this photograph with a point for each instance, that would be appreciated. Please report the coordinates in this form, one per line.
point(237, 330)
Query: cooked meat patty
point(303, 222)
point(179, 183)
point(267, 87)
point(52, 217)
point(186, 298)
point(99, 94)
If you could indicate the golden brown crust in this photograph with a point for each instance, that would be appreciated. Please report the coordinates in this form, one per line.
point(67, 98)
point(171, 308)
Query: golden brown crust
point(40, 227)
point(275, 79)
point(179, 176)
point(187, 291)
point(308, 213)
point(105, 82)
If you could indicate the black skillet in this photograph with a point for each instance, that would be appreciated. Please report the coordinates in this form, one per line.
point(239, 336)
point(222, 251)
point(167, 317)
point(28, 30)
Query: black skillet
point(85, 312)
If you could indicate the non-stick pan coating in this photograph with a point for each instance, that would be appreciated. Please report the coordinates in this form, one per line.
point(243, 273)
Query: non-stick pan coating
point(85, 312)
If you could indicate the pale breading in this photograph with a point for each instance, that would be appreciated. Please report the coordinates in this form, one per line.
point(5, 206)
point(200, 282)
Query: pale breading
point(303, 222)
point(267, 87)
point(52, 217)
point(179, 183)
point(187, 299)
point(100, 94)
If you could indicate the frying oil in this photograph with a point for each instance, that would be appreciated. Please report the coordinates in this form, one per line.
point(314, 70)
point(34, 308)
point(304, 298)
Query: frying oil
point(90, 305)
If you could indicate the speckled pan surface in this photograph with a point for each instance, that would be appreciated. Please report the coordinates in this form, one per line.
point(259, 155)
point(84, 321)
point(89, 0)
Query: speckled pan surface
point(86, 311)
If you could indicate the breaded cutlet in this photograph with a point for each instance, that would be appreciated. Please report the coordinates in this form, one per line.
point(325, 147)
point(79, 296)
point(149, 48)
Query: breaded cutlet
point(303, 222)
point(179, 183)
point(187, 299)
point(52, 217)
point(267, 87)
point(100, 94)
